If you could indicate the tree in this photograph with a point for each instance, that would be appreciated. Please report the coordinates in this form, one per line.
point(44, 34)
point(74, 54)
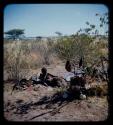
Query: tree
point(39, 38)
point(14, 33)
point(104, 21)
point(103, 24)
point(58, 33)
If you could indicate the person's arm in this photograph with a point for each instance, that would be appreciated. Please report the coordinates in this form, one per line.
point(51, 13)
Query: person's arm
point(51, 75)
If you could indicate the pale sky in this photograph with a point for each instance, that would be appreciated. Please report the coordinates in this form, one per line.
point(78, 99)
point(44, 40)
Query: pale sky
point(46, 19)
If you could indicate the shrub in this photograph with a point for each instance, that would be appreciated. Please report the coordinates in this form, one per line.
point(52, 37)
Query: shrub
point(77, 46)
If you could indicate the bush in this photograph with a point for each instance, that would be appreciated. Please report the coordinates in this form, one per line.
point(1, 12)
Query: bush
point(77, 46)
point(100, 91)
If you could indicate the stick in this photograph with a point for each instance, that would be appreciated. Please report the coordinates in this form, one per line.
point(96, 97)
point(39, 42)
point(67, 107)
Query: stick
point(54, 111)
point(13, 88)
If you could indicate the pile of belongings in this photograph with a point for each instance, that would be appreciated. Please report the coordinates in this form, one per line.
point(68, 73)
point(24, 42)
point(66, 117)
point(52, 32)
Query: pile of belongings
point(77, 83)
point(47, 79)
point(78, 72)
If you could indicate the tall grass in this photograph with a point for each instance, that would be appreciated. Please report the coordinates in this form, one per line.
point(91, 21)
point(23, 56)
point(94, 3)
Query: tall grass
point(22, 55)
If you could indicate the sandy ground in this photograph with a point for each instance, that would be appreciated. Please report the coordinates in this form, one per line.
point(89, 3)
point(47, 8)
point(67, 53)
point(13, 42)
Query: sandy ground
point(23, 105)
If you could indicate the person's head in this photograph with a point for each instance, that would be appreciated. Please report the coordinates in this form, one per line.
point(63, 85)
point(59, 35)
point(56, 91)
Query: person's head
point(44, 70)
point(68, 66)
point(68, 62)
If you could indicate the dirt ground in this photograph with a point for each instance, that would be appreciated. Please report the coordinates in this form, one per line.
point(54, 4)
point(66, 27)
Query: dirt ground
point(23, 105)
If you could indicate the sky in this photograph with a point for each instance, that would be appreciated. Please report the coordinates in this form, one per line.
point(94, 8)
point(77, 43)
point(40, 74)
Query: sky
point(45, 19)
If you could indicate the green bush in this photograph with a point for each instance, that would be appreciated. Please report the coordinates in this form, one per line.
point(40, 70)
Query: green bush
point(77, 46)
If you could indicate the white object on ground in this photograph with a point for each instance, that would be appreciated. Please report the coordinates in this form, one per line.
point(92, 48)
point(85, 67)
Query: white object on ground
point(68, 76)
point(82, 96)
point(35, 77)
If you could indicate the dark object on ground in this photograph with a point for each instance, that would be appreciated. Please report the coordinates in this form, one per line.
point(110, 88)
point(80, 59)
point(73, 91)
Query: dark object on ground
point(100, 91)
point(81, 81)
point(21, 84)
point(77, 86)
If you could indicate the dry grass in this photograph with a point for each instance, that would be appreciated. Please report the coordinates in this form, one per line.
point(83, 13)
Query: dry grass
point(21, 55)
